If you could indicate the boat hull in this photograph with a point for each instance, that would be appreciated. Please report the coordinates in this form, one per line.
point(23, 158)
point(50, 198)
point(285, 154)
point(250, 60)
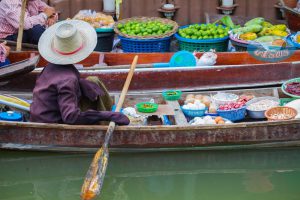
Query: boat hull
point(252, 73)
point(51, 137)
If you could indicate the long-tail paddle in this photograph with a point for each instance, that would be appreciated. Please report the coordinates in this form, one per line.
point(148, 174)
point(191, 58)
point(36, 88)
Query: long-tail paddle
point(21, 26)
point(95, 176)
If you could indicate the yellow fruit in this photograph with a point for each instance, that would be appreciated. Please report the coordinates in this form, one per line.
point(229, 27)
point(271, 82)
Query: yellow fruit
point(248, 36)
point(279, 33)
point(281, 27)
point(265, 32)
point(266, 24)
point(298, 39)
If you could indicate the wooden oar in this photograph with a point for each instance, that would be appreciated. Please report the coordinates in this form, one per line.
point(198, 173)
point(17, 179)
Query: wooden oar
point(94, 179)
point(21, 26)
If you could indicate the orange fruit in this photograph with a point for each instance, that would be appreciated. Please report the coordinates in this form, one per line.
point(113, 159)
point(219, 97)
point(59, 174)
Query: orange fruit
point(221, 122)
point(217, 119)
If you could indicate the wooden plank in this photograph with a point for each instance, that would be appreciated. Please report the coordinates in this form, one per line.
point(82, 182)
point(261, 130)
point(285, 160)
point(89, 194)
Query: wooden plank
point(179, 116)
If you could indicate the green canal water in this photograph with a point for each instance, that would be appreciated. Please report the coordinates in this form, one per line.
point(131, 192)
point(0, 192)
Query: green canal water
point(206, 175)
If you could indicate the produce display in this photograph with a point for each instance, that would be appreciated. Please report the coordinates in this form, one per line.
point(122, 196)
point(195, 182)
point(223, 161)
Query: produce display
point(145, 28)
point(97, 20)
point(281, 113)
point(293, 88)
point(280, 116)
point(261, 31)
point(204, 31)
point(231, 106)
point(199, 100)
point(196, 105)
point(262, 105)
point(241, 102)
point(224, 98)
point(208, 120)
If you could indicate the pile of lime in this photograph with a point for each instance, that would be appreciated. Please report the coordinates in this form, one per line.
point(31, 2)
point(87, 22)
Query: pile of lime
point(145, 28)
point(204, 31)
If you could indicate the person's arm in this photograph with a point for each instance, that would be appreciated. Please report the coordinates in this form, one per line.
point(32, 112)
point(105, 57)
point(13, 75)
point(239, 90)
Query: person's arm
point(71, 113)
point(13, 12)
point(4, 51)
point(40, 5)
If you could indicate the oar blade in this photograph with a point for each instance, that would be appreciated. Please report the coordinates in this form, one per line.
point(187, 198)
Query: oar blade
point(94, 179)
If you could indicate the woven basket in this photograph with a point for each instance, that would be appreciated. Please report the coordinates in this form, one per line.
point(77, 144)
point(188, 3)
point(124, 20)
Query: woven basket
point(281, 110)
point(203, 45)
point(146, 19)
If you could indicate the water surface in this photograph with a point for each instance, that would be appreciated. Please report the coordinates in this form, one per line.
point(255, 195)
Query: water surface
point(200, 175)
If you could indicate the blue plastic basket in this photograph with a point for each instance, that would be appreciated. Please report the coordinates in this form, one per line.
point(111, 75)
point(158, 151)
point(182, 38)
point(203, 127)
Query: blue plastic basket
point(145, 45)
point(193, 113)
point(233, 115)
point(219, 44)
point(292, 42)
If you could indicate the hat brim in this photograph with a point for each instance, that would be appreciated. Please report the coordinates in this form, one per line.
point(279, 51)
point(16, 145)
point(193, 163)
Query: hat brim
point(89, 37)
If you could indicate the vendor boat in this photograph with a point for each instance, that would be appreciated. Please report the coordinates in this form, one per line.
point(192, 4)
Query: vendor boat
point(155, 135)
point(232, 70)
point(16, 69)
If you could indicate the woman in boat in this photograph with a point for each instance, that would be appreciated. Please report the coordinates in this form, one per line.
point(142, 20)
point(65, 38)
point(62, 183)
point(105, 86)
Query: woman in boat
point(60, 96)
point(4, 52)
point(38, 16)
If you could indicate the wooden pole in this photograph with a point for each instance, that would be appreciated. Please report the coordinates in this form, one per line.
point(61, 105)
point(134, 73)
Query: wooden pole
point(21, 26)
point(95, 176)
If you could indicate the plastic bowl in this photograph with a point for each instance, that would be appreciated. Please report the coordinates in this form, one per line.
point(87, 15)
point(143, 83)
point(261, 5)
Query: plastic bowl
point(146, 107)
point(171, 95)
point(259, 114)
point(283, 87)
point(233, 115)
point(193, 113)
point(224, 98)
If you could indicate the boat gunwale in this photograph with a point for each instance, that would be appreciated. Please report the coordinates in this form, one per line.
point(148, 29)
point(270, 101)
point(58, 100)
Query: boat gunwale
point(148, 128)
point(187, 68)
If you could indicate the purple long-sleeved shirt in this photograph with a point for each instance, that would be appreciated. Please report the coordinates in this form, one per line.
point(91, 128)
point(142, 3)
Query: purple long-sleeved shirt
point(57, 94)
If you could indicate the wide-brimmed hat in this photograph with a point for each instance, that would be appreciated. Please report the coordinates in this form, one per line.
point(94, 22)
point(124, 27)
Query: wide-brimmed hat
point(67, 42)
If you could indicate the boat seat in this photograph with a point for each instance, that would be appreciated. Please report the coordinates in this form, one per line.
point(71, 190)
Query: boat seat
point(179, 117)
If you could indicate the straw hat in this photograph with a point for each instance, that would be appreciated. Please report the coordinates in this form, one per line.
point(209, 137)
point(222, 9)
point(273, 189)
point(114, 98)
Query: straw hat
point(67, 42)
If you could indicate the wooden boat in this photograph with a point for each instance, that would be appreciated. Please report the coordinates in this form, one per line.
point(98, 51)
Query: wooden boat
point(179, 136)
point(18, 68)
point(233, 70)
point(25, 46)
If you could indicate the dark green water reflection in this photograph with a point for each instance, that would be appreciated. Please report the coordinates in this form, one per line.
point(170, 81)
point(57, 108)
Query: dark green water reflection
point(207, 175)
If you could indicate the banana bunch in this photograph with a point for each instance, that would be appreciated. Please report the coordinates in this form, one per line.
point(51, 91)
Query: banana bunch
point(276, 30)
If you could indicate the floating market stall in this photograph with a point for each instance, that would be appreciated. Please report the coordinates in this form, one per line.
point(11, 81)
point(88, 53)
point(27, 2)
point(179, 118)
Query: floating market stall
point(198, 120)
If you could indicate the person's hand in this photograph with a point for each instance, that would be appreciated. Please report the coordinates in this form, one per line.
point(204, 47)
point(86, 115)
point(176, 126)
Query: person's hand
point(51, 21)
point(7, 48)
point(120, 118)
point(49, 11)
